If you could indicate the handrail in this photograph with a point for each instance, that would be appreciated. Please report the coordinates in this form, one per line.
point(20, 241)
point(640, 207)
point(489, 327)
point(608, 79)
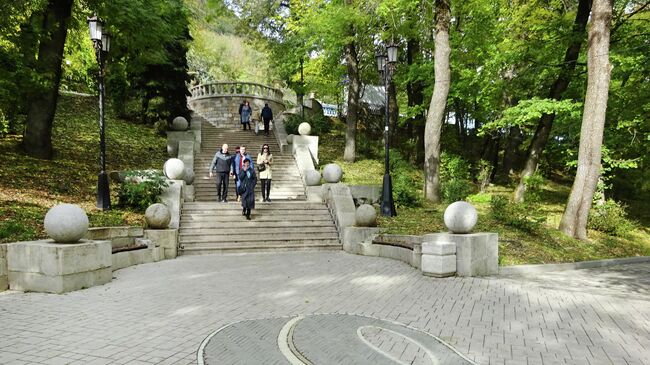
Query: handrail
point(215, 89)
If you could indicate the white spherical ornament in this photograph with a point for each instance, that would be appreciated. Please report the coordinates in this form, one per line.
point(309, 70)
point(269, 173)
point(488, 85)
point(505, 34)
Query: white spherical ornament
point(332, 173)
point(304, 129)
point(366, 216)
point(66, 223)
point(312, 178)
point(174, 169)
point(179, 124)
point(157, 216)
point(290, 138)
point(460, 217)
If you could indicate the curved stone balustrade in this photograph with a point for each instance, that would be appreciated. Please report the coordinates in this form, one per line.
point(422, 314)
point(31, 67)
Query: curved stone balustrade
point(244, 89)
point(218, 102)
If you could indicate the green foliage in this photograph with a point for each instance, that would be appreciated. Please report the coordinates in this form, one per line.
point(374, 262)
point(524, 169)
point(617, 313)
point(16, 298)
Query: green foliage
point(524, 216)
point(610, 218)
point(141, 189)
point(320, 124)
point(534, 185)
point(527, 112)
point(455, 177)
point(405, 181)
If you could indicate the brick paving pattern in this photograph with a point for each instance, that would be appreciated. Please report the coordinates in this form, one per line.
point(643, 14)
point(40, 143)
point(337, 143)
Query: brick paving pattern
point(160, 313)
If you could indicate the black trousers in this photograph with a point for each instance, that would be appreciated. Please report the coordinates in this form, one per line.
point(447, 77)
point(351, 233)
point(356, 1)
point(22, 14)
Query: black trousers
point(222, 185)
point(266, 188)
point(266, 125)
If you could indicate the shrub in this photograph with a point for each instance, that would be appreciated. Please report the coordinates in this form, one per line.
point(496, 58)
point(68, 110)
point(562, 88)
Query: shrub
point(610, 218)
point(523, 216)
point(141, 189)
point(454, 174)
point(405, 183)
point(320, 124)
point(534, 185)
point(455, 190)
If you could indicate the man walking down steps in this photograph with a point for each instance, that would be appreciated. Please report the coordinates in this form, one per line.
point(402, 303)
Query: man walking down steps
point(222, 165)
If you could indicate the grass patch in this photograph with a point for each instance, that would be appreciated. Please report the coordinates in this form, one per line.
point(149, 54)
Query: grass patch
point(529, 244)
point(29, 186)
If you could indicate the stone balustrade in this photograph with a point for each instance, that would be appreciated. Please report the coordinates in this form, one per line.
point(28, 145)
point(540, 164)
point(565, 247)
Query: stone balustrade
point(218, 102)
point(243, 89)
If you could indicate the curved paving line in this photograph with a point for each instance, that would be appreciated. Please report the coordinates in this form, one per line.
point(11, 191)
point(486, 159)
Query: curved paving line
point(239, 337)
point(432, 357)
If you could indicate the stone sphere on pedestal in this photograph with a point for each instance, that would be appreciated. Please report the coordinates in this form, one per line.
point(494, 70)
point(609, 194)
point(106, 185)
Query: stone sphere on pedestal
point(304, 129)
point(157, 216)
point(179, 124)
point(332, 173)
point(66, 223)
point(312, 178)
point(290, 139)
point(174, 169)
point(366, 216)
point(188, 176)
point(460, 217)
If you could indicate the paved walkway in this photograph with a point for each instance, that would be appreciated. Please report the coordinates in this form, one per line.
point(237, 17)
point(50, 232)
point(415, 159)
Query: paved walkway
point(160, 313)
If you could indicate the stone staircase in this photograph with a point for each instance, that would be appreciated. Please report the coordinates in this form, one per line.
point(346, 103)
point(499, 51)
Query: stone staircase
point(287, 223)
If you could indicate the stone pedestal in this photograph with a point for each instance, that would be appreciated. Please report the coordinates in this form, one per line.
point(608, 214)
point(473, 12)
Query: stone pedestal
point(48, 267)
point(438, 258)
point(165, 238)
point(4, 281)
point(477, 254)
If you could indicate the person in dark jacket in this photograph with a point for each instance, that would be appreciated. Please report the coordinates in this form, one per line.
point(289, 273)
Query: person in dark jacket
point(222, 165)
point(247, 182)
point(234, 172)
point(239, 162)
point(267, 117)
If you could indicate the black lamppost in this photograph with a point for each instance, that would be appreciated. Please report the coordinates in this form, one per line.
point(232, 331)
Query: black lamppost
point(385, 66)
point(102, 42)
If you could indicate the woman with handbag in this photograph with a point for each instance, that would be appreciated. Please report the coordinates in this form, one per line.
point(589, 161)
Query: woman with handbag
point(264, 161)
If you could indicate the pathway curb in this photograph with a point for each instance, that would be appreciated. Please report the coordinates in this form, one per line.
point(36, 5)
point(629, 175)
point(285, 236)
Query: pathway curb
point(535, 269)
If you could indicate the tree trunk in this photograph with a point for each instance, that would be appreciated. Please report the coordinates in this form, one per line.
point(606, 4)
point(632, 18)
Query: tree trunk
point(415, 96)
point(354, 89)
point(510, 152)
point(436, 114)
point(37, 138)
point(538, 143)
point(574, 220)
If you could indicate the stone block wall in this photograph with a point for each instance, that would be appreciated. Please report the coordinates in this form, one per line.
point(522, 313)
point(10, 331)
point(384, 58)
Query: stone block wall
point(223, 111)
point(119, 237)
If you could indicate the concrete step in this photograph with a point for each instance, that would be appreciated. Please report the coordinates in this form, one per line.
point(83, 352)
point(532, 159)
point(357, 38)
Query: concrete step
point(266, 234)
point(189, 250)
point(215, 226)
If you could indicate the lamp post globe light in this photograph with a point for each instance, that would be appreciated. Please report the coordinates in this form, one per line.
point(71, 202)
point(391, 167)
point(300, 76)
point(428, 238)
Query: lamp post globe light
point(385, 64)
point(101, 42)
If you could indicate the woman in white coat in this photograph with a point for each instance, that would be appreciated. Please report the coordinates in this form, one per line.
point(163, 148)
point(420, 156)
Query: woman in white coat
point(265, 158)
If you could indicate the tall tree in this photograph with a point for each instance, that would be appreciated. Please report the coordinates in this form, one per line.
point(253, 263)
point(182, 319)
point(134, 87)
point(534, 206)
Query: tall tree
point(37, 138)
point(354, 92)
point(574, 219)
point(558, 88)
point(436, 114)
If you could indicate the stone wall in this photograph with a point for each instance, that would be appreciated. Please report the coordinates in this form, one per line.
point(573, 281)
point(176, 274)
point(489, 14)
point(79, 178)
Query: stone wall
point(223, 111)
point(119, 237)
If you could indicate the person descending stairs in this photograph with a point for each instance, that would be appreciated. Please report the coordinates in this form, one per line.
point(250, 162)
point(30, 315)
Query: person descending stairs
point(287, 223)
